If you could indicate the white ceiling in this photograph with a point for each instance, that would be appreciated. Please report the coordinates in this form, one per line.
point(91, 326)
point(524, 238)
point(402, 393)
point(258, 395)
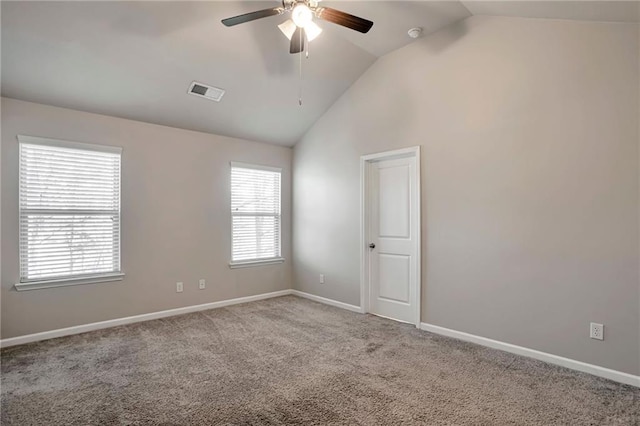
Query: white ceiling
point(604, 11)
point(136, 59)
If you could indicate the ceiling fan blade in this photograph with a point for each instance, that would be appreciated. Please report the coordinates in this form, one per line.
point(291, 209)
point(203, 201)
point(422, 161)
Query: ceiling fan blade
point(252, 16)
point(345, 19)
point(297, 41)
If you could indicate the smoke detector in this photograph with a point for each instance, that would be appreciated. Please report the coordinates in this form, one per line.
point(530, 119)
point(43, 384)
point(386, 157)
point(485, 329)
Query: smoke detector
point(206, 91)
point(415, 32)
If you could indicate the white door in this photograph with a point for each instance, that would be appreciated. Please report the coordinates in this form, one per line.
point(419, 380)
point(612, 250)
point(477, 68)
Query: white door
point(393, 246)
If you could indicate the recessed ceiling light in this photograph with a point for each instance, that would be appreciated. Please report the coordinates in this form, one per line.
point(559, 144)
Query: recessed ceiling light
point(206, 91)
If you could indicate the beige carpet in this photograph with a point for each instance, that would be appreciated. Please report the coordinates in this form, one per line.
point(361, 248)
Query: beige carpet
point(292, 361)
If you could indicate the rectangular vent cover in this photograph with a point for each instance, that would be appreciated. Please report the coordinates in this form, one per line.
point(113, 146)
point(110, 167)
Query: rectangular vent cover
point(205, 91)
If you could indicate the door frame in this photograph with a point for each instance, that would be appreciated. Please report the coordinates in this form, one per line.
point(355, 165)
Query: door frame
point(365, 214)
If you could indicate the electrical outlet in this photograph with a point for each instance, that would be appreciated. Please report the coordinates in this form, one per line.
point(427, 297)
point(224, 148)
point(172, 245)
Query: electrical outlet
point(321, 278)
point(201, 284)
point(179, 287)
point(596, 331)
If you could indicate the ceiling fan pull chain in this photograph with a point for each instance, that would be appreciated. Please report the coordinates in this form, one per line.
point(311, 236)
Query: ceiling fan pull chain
point(307, 56)
point(300, 63)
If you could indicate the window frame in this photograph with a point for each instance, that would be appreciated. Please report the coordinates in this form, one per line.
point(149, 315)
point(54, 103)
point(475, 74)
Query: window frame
point(258, 261)
point(77, 279)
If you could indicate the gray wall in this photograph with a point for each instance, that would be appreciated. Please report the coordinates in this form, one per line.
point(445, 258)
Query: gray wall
point(529, 134)
point(175, 220)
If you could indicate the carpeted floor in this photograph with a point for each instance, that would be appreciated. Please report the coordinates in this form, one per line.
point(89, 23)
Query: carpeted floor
point(292, 361)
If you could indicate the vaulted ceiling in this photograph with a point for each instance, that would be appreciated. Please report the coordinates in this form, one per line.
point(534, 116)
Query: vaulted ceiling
point(136, 60)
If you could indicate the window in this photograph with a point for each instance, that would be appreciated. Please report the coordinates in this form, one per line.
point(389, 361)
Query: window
point(69, 212)
point(255, 213)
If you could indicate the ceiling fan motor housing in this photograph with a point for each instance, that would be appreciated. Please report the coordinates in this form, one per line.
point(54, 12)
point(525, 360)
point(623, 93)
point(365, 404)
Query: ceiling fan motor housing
point(288, 5)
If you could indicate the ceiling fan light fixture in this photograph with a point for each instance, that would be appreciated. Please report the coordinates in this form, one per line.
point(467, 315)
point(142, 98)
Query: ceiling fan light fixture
point(301, 15)
point(287, 28)
point(312, 29)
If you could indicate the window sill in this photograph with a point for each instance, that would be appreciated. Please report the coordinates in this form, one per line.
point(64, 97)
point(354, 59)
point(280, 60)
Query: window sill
point(64, 282)
point(251, 263)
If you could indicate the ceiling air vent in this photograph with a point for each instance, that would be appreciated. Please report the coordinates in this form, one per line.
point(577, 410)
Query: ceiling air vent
point(204, 91)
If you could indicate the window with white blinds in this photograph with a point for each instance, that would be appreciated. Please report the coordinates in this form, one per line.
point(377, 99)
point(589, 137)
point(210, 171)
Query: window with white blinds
point(69, 210)
point(255, 212)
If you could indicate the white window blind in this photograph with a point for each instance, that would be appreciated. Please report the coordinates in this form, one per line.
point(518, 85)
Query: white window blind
point(69, 210)
point(255, 212)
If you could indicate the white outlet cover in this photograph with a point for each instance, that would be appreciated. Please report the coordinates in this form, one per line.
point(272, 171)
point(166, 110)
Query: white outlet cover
point(202, 284)
point(179, 287)
point(596, 331)
point(321, 278)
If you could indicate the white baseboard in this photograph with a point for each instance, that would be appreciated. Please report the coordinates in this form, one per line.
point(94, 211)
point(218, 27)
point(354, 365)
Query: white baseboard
point(45, 335)
point(326, 301)
point(607, 373)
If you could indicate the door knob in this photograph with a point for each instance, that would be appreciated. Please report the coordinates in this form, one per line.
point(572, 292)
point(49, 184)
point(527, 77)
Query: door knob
point(372, 246)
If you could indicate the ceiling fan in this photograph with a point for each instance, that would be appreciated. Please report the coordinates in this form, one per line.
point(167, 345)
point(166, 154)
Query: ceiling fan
point(301, 26)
